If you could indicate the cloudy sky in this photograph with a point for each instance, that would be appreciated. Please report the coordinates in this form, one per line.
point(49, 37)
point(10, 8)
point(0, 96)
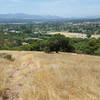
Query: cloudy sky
point(64, 8)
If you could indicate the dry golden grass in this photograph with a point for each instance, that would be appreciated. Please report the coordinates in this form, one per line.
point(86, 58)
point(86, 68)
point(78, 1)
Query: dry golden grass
point(74, 35)
point(41, 76)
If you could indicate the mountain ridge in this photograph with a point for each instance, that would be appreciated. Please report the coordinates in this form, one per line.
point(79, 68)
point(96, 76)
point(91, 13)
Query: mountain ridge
point(28, 18)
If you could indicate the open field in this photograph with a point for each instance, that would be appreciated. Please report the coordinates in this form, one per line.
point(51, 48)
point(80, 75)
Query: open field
point(74, 35)
point(41, 76)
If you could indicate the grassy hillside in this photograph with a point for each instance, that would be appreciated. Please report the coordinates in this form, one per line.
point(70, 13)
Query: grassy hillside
point(41, 76)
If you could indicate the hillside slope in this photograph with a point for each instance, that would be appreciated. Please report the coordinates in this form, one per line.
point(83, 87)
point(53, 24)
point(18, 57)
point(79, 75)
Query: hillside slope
point(41, 76)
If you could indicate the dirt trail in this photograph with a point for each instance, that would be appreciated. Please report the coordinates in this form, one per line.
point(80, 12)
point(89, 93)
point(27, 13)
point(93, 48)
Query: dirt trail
point(19, 74)
point(40, 76)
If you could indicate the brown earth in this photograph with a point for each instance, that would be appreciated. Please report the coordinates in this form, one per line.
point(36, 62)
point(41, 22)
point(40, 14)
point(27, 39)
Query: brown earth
point(41, 76)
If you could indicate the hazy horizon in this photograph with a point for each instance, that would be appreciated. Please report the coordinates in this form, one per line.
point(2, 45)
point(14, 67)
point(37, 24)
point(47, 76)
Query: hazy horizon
point(62, 8)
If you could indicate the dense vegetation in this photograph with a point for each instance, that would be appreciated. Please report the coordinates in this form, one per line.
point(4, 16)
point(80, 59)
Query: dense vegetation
point(58, 42)
point(15, 34)
point(61, 43)
point(34, 37)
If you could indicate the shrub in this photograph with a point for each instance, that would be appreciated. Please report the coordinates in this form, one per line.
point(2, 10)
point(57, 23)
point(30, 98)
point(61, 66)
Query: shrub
point(9, 57)
point(47, 50)
point(97, 52)
point(89, 35)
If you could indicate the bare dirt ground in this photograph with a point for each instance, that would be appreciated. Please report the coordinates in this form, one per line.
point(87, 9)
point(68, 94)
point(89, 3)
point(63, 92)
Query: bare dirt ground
point(41, 76)
point(74, 35)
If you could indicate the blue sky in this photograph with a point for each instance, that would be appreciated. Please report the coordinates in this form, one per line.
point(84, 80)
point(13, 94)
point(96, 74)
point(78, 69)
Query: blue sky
point(64, 8)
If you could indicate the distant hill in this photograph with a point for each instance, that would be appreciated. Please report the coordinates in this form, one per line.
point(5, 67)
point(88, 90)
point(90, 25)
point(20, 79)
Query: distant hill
point(28, 18)
point(19, 17)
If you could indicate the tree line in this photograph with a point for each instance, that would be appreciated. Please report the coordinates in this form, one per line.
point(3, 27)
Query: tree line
point(59, 43)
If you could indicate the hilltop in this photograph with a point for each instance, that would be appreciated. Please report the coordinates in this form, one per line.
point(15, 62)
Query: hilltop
point(39, 76)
